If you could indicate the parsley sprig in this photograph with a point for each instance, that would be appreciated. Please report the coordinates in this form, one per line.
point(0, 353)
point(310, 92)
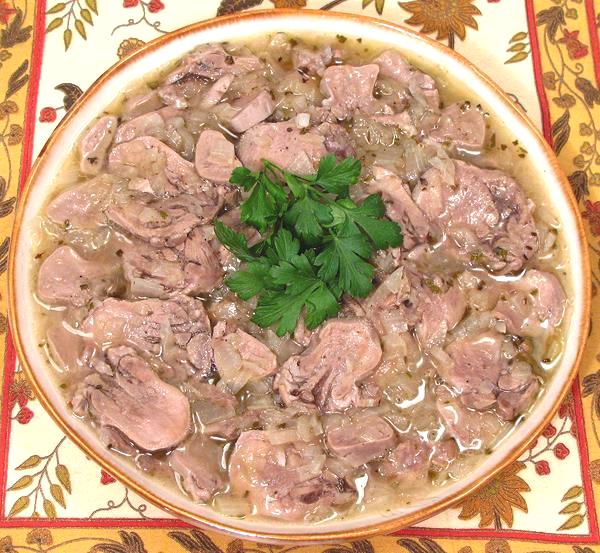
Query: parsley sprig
point(317, 241)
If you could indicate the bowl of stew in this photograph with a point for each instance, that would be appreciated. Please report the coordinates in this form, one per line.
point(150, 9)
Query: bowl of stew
point(298, 276)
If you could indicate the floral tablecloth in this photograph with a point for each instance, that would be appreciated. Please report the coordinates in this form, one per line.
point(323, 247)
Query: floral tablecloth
point(546, 55)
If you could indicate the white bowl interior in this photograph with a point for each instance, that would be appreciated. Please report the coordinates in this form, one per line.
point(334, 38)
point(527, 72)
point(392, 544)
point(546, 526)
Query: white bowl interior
point(421, 52)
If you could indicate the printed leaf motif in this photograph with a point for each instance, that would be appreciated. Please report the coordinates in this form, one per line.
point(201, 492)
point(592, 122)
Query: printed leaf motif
point(67, 37)
point(195, 542)
point(17, 80)
point(131, 543)
point(62, 473)
point(92, 5)
point(561, 131)
point(232, 6)
point(591, 94)
point(49, 508)
point(552, 18)
point(572, 493)
point(30, 462)
point(21, 483)
point(519, 36)
point(54, 24)
point(424, 545)
point(80, 28)
point(15, 33)
point(572, 522)
point(379, 5)
point(87, 16)
point(517, 47)
point(570, 508)
point(235, 546)
point(57, 8)
point(18, 506)
point(58, 495)
point(71, 93)
point(519, 56)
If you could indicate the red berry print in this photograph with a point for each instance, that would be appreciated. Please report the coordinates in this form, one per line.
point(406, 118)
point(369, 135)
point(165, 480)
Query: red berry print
point(155, 6)
point(106, 478)
point(130, 3)
point(549, 431)
point(47, 115)
point(542, 468)
point(561, 451)
point(24, 415)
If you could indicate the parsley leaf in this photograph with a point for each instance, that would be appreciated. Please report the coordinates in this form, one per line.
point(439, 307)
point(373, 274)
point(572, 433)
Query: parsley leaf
point(344, 261)
point(250, 281)
point(307, 217)
point(243, 177)
point(335, 177)
point(265, 205)
point(234, 241)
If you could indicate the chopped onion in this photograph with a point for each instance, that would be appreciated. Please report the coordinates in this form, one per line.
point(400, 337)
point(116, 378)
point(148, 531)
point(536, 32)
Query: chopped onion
point(303, 120)
point(232, 506)
point(146, 288)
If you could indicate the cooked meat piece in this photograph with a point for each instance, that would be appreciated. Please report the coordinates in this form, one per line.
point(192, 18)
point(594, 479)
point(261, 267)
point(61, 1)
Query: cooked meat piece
point(483, 211)
point(443, 455)
point(151, 413)
point(83, 205)
point(141, 103)
point(472, 430)
point(117, 441)
point(362, 440)
point(211, 404)
point(463, 126)
point(329, 373)
point(66, 350)
point(532, 305)
point(394, 66)
point(337, 140)
point(240, 358)
point(440, 313)
point(165, 170)
point(158, 222)
point(400, 207)
point(67, 278)
point(513, 403)
point(145, 124)
point(212, 62)
point(476, 367)
point(177, 329)
point(348, 89)
point(204, 272)
point(215, 157)
point(197, 463)
point(408, 462)
point(216, 91)
point(95, 143)
point(311, 62)
point(402, 120)
point(252, 111)
point(284, 144)
point(285, 480)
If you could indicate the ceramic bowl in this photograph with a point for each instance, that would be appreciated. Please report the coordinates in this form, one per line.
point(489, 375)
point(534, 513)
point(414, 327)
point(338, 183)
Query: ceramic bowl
point(427, 54)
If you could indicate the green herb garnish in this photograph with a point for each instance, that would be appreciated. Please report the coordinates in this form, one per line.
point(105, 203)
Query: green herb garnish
point(317, 242)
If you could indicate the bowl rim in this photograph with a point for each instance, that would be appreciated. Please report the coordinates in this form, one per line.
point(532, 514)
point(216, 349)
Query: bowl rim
point(368, 530)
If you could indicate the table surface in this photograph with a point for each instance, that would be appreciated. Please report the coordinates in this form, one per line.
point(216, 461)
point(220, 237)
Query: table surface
point(545, 53)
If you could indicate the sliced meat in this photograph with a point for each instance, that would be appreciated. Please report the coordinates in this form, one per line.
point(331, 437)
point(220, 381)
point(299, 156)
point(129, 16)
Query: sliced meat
point(408, 462)
point(252, 111)
point(348, 89)
point(311, 62)
point(484, 212)
point(240, 358)
point(197, 464)
point(151, 413)
point(144, 125)
point(216, 91)
point(337, 140)
point(95, 143)
point(66, 350)
point(394, 66)
point(477, 362)
point(143, 102)
point(215, 157)
point(443, 455)
point(361, 441)
point(329, 373)
point(533, 305)
point(440, 313)
point(287, 481)
point(83, 205)
point(212, 62)
point(66, 278)
point(513, 403)
point(402, 120)
point(177, 329)
point(204, 271)
point(159, 222)
point(211, 404)
point(472, 430)
point(400, 206)
point(462, 126)
point(165, 170)
point(284, 144)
